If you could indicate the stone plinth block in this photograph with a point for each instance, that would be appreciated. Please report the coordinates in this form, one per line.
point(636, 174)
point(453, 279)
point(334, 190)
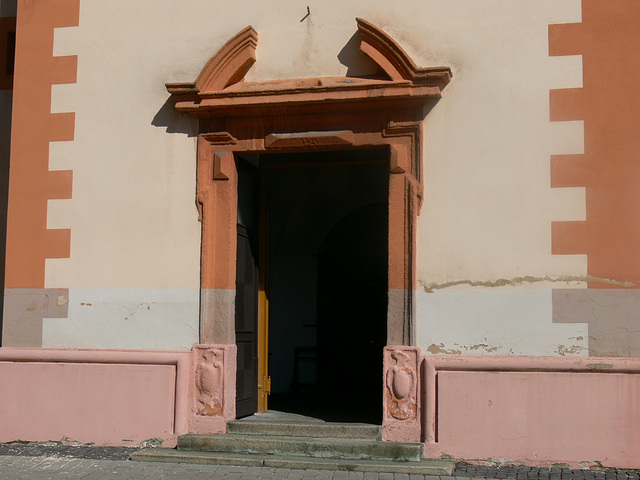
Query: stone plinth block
point(402, 402)
point(214, 388)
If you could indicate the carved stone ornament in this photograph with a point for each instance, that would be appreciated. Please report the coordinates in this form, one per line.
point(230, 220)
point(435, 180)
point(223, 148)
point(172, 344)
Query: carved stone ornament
point(401, 382)
point(210, 383)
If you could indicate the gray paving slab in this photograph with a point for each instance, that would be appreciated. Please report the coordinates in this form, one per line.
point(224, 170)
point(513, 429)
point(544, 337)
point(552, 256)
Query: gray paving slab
point(47, 462)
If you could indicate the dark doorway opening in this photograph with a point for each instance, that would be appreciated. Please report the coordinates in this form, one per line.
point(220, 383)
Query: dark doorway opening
point(325, 251)
point(352, 311)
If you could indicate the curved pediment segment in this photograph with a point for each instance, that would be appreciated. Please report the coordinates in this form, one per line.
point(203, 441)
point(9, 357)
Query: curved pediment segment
point(394, 61)
point(220, 88)
point(230, 64)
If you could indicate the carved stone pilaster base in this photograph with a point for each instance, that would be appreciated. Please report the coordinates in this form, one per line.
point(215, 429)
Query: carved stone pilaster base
point(213, 387)
point(402, 397)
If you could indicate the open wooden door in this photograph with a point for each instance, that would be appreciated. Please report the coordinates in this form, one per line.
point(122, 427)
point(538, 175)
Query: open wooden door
point(246, 307)
point(246, 326)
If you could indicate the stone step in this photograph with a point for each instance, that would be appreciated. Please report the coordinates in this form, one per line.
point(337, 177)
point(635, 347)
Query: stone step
point(422, 467)
point(300, 429)
point(302, 446)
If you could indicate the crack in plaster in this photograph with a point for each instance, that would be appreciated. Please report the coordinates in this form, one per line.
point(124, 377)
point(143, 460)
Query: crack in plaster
point(134, 311)
point(129, 311)
point(626, 329)
point(527, 279)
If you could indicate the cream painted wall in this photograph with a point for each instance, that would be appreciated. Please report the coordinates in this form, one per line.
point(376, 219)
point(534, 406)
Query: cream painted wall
point(132, 215)
point(488, 204)
point(499, 321)
point(488, 208)
point(161, 319)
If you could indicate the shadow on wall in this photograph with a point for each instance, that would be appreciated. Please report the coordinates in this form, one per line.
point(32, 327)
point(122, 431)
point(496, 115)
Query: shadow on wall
point(357, 63)
point(174, 121)
point(360, 65)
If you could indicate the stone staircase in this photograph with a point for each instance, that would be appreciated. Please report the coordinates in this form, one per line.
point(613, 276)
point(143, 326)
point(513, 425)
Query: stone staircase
point(307, 444)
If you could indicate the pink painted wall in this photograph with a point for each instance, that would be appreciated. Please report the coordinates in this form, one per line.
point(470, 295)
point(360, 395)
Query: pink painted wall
point(106, 397)
point(535, 410)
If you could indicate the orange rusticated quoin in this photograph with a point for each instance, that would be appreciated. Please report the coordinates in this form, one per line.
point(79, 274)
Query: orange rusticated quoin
point(608, 103)
point(31, 183)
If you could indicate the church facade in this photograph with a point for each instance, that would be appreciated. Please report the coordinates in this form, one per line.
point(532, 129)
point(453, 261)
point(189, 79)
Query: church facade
point(424, 217)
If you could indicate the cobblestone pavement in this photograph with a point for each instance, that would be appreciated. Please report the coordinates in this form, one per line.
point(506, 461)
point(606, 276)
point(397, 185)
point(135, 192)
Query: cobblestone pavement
point(40, 462)
point(521, 472)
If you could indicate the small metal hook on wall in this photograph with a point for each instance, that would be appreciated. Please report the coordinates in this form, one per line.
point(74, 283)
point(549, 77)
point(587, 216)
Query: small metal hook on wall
point(305, 17)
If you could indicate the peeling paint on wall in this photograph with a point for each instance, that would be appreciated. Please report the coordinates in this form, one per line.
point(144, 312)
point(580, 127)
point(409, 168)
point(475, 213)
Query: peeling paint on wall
point(463, 349)
point(525, 280)
point(571, 350)
point(435, 349)
point(484, 347)
point(495, 321)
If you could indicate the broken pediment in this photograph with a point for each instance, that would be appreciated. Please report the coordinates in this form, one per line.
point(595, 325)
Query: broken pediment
point(220, 87)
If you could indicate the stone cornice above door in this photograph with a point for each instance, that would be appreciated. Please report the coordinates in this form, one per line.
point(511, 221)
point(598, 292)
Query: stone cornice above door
point(220, 89)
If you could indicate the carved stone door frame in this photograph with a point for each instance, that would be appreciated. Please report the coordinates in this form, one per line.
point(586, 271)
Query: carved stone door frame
point(303, 115)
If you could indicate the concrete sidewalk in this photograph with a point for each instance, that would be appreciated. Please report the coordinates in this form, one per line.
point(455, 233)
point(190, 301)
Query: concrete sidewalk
point(40, 462)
